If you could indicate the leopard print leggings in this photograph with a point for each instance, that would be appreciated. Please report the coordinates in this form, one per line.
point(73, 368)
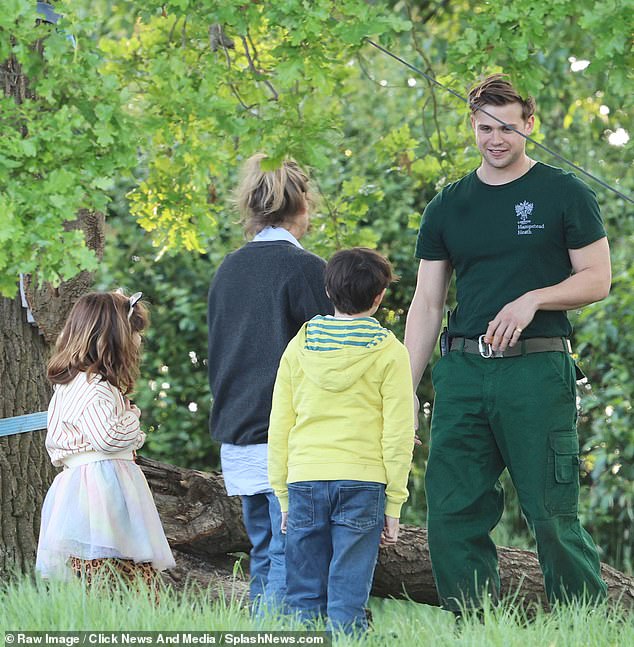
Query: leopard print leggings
point(111, 570)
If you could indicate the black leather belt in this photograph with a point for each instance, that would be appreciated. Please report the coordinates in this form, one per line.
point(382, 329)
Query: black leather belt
point(522, 347)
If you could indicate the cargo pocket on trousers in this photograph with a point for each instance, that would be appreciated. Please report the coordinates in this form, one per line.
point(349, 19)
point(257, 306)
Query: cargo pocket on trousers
point(301, 511)
point(562, 479)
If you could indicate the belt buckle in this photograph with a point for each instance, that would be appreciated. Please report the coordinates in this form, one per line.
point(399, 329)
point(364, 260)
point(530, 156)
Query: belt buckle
point(484, 347)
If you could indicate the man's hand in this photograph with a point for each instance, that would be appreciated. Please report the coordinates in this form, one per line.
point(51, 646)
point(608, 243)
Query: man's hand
point(284, 522)
point(590, 282)
point(506, 327)
point(389, 536)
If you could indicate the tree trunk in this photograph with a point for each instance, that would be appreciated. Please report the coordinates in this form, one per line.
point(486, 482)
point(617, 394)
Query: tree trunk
point(25, 469)
point(204, 526)
point(405, 570)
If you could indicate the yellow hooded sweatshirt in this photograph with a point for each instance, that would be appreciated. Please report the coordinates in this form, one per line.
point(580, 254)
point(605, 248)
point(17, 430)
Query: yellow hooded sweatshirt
point(343, 412)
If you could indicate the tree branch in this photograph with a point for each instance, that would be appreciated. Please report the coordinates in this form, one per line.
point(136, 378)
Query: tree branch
point(232, 86)
point(255, 71)
point(255, 51)
point(184, 33)
point(418, 48)
point(173, 28)
point(332, 214)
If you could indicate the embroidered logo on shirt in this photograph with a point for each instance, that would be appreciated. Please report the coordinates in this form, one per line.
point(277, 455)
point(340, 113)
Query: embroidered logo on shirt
point(523, 211)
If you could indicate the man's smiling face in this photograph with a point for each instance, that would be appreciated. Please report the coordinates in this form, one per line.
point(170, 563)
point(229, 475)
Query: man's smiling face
point(500, 147)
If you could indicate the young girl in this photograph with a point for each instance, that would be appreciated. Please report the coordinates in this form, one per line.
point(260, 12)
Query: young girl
point(99, 511)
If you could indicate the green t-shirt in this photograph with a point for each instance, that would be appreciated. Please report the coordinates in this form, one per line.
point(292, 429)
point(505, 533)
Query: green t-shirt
point(505, 240)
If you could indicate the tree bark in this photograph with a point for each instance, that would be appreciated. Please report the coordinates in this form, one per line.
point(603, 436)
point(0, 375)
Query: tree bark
point(198, 517)
point(25, 469)
point(405, 571)
point(205, 528)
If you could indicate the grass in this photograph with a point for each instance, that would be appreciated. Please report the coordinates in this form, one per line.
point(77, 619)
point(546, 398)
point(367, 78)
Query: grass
point(26, 605)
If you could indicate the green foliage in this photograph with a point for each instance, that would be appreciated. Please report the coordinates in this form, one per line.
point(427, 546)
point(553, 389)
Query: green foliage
point(204, 98)
point(36, 606)
point(172, 392)
point(605, 345)
point(516, 36)
point(61, 146)
point(192, 101)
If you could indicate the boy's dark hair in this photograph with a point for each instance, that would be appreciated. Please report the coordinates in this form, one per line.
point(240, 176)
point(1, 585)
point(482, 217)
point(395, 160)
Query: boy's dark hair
point(354, 278)
point(496, 90)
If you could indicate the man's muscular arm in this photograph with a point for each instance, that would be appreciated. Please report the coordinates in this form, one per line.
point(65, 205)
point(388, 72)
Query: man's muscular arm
point(589, 282)
point(425, 314)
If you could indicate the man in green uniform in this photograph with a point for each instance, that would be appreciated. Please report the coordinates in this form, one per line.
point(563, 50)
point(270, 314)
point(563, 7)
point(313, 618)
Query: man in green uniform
point(526, 243)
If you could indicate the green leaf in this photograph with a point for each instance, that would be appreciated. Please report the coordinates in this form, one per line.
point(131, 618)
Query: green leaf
point(29, 148)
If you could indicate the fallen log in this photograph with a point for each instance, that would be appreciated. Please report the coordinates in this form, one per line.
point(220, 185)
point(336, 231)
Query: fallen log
point(198, 517)
point(405, 570)
point(204, 528)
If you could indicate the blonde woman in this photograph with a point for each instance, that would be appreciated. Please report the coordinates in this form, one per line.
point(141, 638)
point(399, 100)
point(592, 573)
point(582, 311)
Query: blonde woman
point(99, 514)
point(259, 298)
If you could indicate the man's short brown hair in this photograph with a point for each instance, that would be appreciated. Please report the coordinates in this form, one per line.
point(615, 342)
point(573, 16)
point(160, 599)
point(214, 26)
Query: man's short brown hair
point(496, 90)
point(354, 277)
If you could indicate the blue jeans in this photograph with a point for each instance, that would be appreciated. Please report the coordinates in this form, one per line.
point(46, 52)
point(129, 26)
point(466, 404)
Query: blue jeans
point(267, 568)
point(332, 543)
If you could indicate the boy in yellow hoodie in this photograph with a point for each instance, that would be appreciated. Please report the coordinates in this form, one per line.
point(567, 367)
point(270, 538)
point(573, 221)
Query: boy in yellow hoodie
point(341, 436)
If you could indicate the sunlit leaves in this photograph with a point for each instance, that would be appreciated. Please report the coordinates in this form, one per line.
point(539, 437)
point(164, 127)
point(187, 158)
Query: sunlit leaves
point(62, 143)
point(272, 82)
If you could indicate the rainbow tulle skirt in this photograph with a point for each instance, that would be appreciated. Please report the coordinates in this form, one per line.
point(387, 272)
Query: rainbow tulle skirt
point(103, 509)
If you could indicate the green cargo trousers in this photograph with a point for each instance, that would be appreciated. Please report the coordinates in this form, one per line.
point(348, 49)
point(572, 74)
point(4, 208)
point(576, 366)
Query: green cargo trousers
point(519, 413)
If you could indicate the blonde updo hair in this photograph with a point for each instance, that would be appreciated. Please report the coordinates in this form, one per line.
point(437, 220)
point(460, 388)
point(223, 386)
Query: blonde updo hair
point(271, 198)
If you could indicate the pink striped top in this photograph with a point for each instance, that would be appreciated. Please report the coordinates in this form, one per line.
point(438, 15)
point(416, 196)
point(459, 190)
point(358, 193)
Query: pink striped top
point(90, 415)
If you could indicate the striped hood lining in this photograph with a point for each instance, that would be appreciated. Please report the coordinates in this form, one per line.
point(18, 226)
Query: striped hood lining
point(336, 353)
point(329, 333)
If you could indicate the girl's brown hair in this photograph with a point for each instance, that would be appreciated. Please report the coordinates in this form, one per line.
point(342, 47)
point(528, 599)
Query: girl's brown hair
point(98, 338)
point(268, 198)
